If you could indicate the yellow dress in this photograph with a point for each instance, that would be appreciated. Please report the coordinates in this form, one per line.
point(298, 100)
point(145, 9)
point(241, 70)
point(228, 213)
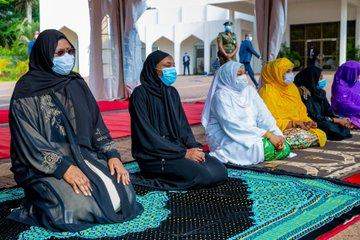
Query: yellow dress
point(283, 100)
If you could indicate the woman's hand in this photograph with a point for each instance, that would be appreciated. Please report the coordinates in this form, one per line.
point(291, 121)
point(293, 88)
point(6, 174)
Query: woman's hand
point(343, 122)
point(195, 154)
point(311, 124)
point(78, 180)
point(117, 167)
point(300, 124)
point(277, 141)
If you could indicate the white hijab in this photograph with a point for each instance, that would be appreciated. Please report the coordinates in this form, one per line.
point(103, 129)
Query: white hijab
point(226, 78)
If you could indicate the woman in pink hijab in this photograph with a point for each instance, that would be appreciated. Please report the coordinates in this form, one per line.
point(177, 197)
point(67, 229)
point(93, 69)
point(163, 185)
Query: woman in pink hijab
point(345, 98)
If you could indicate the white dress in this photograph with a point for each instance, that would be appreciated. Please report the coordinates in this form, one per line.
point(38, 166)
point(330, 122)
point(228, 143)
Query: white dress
point(237, 123)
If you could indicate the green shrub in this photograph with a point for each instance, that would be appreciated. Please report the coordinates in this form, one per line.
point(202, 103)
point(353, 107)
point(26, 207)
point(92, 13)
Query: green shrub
point(293, 56)
point(12, 70)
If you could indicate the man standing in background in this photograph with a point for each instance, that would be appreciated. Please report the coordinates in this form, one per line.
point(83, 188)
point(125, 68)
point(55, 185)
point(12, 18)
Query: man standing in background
point(245, 55)
point(186, 63)
point(227, 44)
point(31, 42)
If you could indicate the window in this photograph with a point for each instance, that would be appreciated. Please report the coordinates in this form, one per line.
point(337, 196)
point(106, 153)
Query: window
point(324, 36)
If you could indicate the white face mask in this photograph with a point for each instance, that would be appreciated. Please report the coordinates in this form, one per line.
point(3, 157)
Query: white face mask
point(289, 78)
point(241, 82)
point(250, 39)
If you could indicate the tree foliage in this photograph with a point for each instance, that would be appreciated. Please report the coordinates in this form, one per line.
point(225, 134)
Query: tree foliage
point(15, 33)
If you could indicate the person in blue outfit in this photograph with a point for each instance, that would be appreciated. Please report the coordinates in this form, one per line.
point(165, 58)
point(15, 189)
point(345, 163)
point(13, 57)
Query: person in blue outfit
point(31, 42)
point(245, 55)
point(186, 63)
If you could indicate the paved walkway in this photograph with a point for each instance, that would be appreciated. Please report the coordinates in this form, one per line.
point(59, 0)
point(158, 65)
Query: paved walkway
point(191, 88)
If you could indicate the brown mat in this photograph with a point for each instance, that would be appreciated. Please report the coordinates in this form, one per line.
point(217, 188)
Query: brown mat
point(337, 160)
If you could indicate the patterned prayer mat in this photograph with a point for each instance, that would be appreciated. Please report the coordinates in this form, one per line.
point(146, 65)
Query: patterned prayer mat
point(251, 205)
point(339, 159)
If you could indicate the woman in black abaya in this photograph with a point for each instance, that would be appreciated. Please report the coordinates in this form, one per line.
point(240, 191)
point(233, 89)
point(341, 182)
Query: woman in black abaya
point(61, 151)
point(311, 86)
point(162, 141)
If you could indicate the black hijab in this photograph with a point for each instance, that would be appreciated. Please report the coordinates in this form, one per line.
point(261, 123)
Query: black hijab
point(309, 78)
point(41, 79)
point(154, 86)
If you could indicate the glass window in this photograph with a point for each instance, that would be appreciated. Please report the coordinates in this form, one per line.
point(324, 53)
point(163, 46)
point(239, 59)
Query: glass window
point(297, 32)
point(331, 30)
point(298, 46)
point(313, 31)
point(351, 29)
point(330, 47)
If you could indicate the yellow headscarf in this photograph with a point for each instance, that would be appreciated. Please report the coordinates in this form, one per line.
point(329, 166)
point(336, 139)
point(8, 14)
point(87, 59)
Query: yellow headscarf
point(284, 100)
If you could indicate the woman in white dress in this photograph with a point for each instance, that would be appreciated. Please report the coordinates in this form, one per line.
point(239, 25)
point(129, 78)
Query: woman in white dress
point(239, 127)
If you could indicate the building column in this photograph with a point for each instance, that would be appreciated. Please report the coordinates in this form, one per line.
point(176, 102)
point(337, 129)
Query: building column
point(207, 44)
point(256, 63)
point(177, 56)
point(231, 15)
point(357, 29)
point(148, 48)
point(343, 31)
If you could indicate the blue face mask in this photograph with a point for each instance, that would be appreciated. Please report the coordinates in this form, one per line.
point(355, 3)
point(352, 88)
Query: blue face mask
point(64, 64)
point(228, 28)
point(322, 84)
point(169, 76)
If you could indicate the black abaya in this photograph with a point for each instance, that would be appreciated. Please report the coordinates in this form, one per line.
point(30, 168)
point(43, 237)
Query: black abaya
point(161, 135)
point(318, 107)
point(55, 122)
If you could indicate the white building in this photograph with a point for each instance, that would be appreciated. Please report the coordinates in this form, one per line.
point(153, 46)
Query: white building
point(179, 26)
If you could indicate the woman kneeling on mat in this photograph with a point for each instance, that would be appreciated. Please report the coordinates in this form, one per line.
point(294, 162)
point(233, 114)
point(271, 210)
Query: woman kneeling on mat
point(239, 128)
point(61, 151)
point(283, 99)
point(162, 141)
point(345, 98)
point(311, 85)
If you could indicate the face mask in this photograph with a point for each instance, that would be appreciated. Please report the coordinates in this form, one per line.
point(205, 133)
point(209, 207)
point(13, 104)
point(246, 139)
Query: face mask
point(241, 81)
point(169, 76)
point(64, 64)
point(228, 28)
point(289, 78)
point(322, 84)
point(250, 39)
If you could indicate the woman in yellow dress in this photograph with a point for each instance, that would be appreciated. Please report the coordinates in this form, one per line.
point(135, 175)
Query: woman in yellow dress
point(283, 100)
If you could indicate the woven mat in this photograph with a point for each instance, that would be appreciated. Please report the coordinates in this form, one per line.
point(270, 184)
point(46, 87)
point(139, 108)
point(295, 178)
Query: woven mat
point(339, 159)
point(251, 205)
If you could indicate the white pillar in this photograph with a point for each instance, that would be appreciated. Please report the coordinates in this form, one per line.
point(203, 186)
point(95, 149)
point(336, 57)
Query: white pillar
point(148, 48)
point(343, 31)
point(207, 44)
point(232, 15)
point(256, 63)
point(357, 30)
point(177, 56)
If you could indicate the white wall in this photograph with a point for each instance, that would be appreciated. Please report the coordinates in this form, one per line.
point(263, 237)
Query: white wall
point(165, 45)
point(77, 19)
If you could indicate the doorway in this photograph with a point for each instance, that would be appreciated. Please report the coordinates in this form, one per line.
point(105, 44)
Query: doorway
point(325, 50)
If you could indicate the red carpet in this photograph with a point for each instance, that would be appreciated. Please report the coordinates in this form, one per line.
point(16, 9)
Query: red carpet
point(339, 228)
point(103, 105)
point(354, 179)
point(118, 122)
point(113, 105)
point(4, 116)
